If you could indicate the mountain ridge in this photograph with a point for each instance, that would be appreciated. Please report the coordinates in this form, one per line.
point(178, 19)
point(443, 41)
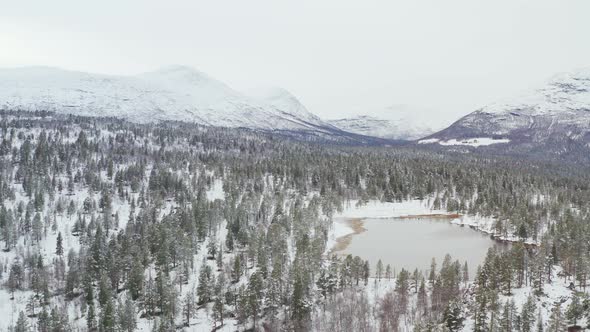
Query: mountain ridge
point(394, 122)
point(178, 93)
point(553, 119)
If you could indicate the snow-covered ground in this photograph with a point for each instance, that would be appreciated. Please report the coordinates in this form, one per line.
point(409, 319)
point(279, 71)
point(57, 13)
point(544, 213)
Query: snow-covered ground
point(475, 142)
point(376, 209)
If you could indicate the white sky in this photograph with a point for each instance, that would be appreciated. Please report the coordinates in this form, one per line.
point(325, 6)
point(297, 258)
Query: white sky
point(338, 57)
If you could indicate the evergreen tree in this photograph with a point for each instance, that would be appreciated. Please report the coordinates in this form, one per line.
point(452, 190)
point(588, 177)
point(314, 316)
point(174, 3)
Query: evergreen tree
point(188, 308)
point(127, 315)
point(453, 316)
point(527, 315)
point(557, 321)
point(22, 324)
point(255, 295)
point(108, 319)
point(91, 317)
point(379, 270)
point(59, 249)
point(204, 284)
point(575, 310)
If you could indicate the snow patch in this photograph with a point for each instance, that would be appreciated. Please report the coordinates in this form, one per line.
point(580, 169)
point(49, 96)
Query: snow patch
point(477, 141)
point(428, 141)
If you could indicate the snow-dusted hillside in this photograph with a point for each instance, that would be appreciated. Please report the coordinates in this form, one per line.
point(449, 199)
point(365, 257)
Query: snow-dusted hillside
point(394, 122)
point(558, 112)
point(172, 93)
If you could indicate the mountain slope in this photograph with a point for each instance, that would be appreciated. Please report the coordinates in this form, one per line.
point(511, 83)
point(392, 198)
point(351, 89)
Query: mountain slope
point(395, 122)
point(555, 117)
point(174, 93)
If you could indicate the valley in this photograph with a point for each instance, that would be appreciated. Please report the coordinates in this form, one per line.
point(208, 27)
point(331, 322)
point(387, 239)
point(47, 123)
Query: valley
point(295, 166)
point(174, 225)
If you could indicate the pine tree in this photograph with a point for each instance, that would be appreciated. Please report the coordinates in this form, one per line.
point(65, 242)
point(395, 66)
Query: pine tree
point(22, 324)
point(15, 277)
point(127, 315)
point(366, 272)
point(188, 308)
point(575, 310)
point(91, 317)
point(402, 287)
point(108, 318)
point(236, 272)
point(59, 249)
point(556, 320)
point(218, 311)
point(465, 273)
point(204, 284)
point(388, 272)
point(255, 295)
point(527, 315)
point(507, 320)
point(136, 278)
point(453, 316)
point(58, 320)
point(104, 291)
point(379, 270)
point(299, 307)
point(43, 322)
point(432, 275)
point(32, 305)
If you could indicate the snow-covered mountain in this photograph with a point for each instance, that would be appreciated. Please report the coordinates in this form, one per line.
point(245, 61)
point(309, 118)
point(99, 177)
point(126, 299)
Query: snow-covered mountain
point(172, 93)
point(289, 105)
point(556, 115)
point(395, 122)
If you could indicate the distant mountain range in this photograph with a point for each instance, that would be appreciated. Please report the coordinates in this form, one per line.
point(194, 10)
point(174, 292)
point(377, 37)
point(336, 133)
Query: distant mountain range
point(400, 122)
point(174, 93)
point(554, 118)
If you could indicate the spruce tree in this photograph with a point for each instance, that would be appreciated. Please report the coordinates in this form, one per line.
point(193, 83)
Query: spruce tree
point(59, 249)
point(22, 324)
point(557, 321)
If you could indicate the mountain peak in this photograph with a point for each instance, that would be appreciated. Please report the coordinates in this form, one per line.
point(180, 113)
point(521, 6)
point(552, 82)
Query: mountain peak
point(178, 74)
point(178, 70)
point(557, 112)
point(177, 93)
point(398, 121)
point(289, 105)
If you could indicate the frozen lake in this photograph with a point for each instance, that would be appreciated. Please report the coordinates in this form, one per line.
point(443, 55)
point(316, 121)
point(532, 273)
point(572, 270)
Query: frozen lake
point(412, 243)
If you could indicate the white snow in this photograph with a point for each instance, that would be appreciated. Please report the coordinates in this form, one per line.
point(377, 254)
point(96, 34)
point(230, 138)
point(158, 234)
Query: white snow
point(175, 93)
point(428, 141)
point(376, 209)
point(394, 122)
point(477, 141)
point(563, 92)
point(216, 191)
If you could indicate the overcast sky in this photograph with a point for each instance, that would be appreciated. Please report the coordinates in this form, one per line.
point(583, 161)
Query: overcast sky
point(338, 57)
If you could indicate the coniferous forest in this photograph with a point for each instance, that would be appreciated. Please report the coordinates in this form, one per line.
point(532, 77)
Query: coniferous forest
point(107, 225)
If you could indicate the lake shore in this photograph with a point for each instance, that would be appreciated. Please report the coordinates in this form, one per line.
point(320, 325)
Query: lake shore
point(430, 216)
point(342, 242)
